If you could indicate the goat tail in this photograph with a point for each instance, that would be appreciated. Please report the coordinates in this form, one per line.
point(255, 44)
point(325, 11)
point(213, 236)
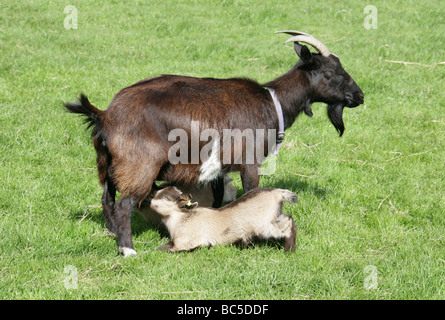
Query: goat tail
point(289, 196)
point(85, 108)
point(93, 119)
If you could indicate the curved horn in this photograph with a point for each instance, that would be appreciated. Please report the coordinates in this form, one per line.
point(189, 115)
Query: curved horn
point(299, 36)
point(293, 32)
point(317, 44)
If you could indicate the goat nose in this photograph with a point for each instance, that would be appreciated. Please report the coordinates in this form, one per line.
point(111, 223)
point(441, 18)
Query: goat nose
point(361, 97)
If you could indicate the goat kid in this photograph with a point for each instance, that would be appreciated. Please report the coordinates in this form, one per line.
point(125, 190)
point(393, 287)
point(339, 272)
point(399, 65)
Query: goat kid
point(131, 136)
point(256, 214)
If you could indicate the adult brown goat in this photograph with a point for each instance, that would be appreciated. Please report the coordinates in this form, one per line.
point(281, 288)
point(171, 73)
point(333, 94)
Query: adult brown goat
point(132, 137)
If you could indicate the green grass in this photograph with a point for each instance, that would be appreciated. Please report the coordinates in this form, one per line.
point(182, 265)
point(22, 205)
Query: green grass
point(374, 197)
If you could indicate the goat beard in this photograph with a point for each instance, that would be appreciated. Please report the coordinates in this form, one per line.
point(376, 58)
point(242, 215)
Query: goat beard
point(335, 113)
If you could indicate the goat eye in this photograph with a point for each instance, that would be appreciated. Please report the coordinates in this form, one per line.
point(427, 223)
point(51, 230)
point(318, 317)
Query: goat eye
point(328, 75)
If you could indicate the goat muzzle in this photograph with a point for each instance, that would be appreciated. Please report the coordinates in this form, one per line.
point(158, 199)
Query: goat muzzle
point(354, 99)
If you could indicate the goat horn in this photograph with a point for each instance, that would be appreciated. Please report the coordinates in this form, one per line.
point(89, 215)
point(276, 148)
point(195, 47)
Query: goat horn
point(294, 33)
point(307, 38)
point(317, 44)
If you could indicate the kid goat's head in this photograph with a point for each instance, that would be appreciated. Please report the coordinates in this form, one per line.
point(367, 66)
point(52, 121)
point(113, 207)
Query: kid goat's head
point(328, 81)
point(170, 199)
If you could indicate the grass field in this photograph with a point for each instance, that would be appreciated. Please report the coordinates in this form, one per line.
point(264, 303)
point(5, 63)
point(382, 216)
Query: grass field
point(370, 214)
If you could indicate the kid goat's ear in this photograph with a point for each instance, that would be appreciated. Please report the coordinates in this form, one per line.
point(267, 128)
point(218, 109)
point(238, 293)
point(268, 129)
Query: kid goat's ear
point(184, 202)
point(191, 205)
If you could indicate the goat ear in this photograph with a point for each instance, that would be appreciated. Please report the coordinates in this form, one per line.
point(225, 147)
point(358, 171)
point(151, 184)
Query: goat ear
point(303, 52)
point(182, 204)
point(192, 206)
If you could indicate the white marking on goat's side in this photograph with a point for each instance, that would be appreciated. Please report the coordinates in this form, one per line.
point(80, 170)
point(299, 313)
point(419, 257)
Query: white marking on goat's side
point(211, 167)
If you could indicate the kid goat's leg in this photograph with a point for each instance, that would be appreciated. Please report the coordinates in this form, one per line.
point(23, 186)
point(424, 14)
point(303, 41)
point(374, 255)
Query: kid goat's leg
point(166, 247)
point(291, 239)
point(284, 227)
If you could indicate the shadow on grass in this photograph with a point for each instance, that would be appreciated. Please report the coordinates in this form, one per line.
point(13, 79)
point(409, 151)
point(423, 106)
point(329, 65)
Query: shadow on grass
point(94, 214)
point(297, 186)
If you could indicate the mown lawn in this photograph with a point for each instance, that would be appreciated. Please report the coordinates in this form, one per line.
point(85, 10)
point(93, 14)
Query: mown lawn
point(370, 214)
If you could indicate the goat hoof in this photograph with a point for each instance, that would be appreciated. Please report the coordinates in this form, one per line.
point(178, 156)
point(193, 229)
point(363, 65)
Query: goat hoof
point(127, 252)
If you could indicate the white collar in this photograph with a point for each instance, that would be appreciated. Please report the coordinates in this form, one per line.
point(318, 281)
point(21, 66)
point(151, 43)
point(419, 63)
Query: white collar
point(280, 135)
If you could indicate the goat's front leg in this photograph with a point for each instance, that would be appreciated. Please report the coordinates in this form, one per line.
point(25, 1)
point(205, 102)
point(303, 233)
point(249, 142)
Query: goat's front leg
point(250, 177)
point(218, 191)
point(166, 247)
point(241, 243)
point(123, 211)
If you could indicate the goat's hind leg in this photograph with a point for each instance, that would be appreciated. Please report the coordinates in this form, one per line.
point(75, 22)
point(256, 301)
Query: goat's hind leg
point(284, 227)
point(290, 243)
point(134, 180)
point(123, 212)
point(108, 200)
